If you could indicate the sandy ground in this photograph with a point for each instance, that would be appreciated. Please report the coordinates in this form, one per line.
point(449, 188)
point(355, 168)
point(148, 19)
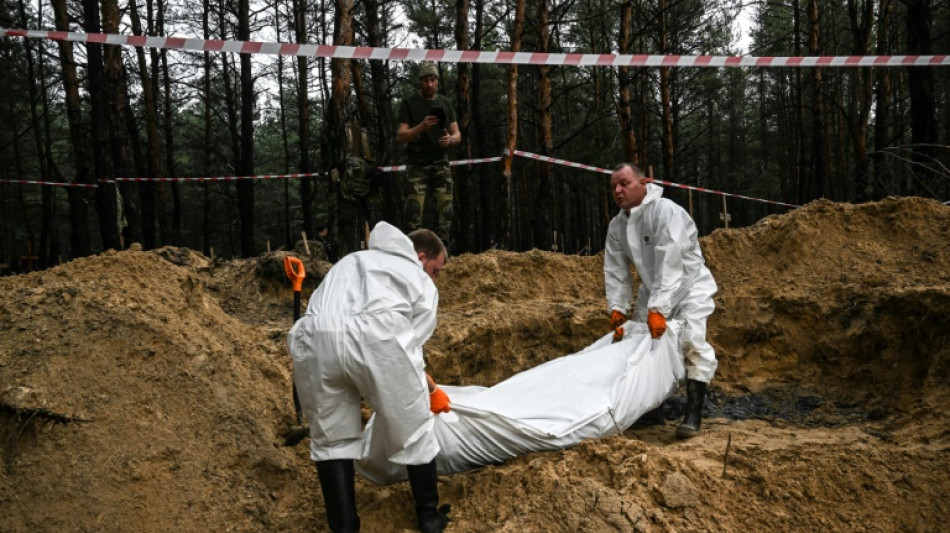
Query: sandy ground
point(150, 391)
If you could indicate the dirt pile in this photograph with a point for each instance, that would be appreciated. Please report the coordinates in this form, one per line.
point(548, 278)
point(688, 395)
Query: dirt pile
point(852, 300)
point(132, 400)
point(149, 391)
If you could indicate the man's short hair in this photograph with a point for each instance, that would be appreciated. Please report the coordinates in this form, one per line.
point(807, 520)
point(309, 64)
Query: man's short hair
point(637, 171)
point(427, 242)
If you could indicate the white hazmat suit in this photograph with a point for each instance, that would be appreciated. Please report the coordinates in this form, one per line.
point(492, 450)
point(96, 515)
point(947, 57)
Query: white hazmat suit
point(660, 239)
point(362, 335)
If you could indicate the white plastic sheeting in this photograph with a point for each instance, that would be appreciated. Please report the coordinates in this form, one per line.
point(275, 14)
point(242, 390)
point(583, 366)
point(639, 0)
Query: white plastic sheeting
point(599, 391)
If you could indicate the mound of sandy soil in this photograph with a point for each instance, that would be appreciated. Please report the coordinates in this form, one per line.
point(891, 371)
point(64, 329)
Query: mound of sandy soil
point(150, 391)
point(849, 299)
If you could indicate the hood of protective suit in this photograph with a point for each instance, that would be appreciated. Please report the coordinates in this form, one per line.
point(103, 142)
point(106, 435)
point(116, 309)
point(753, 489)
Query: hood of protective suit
point(387, 238)
point(654, 193)
point(388, 277)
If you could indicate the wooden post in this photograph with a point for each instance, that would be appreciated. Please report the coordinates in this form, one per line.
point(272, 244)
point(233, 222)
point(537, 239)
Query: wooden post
point(29, 258)
point(691, 204)
point(724, 217)
point(306, 246)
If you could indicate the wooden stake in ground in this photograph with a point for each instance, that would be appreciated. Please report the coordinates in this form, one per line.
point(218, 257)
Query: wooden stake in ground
point(725, 458)
point(29, 258)
point(725, 217)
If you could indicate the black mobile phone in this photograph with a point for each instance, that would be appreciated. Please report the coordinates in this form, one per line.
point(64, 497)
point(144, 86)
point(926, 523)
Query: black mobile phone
point(440, 113)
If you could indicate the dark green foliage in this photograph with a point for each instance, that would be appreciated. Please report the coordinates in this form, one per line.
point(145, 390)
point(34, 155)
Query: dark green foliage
point(740, 130)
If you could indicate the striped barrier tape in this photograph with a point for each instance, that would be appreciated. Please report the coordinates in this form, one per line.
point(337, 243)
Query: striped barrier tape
point(400, 168)
point(538, 157)
point(223, 178)
point(53, 183)
point(563, 162)
point(234, 178)
point(474, 56)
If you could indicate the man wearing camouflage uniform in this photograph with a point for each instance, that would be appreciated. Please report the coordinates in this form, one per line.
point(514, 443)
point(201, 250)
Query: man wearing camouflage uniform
point(428, 127)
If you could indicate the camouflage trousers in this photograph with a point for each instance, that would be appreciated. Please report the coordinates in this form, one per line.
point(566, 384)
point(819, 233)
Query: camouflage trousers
point(429, 198)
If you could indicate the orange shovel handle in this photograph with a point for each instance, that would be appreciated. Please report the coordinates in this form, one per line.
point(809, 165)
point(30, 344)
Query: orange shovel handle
point(295, 271)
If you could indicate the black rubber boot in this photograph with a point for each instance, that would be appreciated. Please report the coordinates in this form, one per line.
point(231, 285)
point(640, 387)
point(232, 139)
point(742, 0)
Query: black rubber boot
point(695, 395)
point(424, 482)
point(339, 494)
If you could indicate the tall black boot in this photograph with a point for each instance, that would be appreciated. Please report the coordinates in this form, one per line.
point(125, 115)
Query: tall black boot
point(424, 482)
point(695, 395)
point(337, 480)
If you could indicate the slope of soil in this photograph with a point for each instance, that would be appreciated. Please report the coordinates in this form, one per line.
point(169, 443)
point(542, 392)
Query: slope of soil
point(149, 391)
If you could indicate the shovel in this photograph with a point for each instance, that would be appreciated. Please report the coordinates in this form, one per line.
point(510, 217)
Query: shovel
point(296, 272)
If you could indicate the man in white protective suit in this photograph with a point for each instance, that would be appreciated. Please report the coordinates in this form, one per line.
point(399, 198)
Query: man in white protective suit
point(362, 336)
point(658, 237)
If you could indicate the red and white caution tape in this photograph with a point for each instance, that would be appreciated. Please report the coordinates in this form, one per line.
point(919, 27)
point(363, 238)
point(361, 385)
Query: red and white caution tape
point(53, 183)
point(225, 178)
point(472, 56)
point(234, 178)
point(727, 194)
point(400, 168)
point(538, 157)
point(563, 162)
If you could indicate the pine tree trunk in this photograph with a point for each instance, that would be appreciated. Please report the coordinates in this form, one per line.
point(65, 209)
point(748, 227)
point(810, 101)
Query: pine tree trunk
point(465, 198)
point(42, 154)
point(624, 108)
point(303, 118)
point(77, 196)
point(171, 229)
point(489, 225)
point(861, 90)
point(920, 81)
point(882, 103)
point(147, 189)
point(511, 138)
point(347, 223)
point(818, 141)
point(799, 176)
point(129, 219)
point(102, 165)
point(541, 205)
point(206, 133)
point(245, 187)
point(665, 99)
point(383, 122)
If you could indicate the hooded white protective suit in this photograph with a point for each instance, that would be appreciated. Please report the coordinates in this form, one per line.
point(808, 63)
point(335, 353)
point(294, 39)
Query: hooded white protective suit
point(362, 335)
point(660, 239)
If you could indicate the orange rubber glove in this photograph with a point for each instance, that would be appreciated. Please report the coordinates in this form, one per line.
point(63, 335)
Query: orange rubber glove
point(616, 320)
point(657, 324)
point(438, 401)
